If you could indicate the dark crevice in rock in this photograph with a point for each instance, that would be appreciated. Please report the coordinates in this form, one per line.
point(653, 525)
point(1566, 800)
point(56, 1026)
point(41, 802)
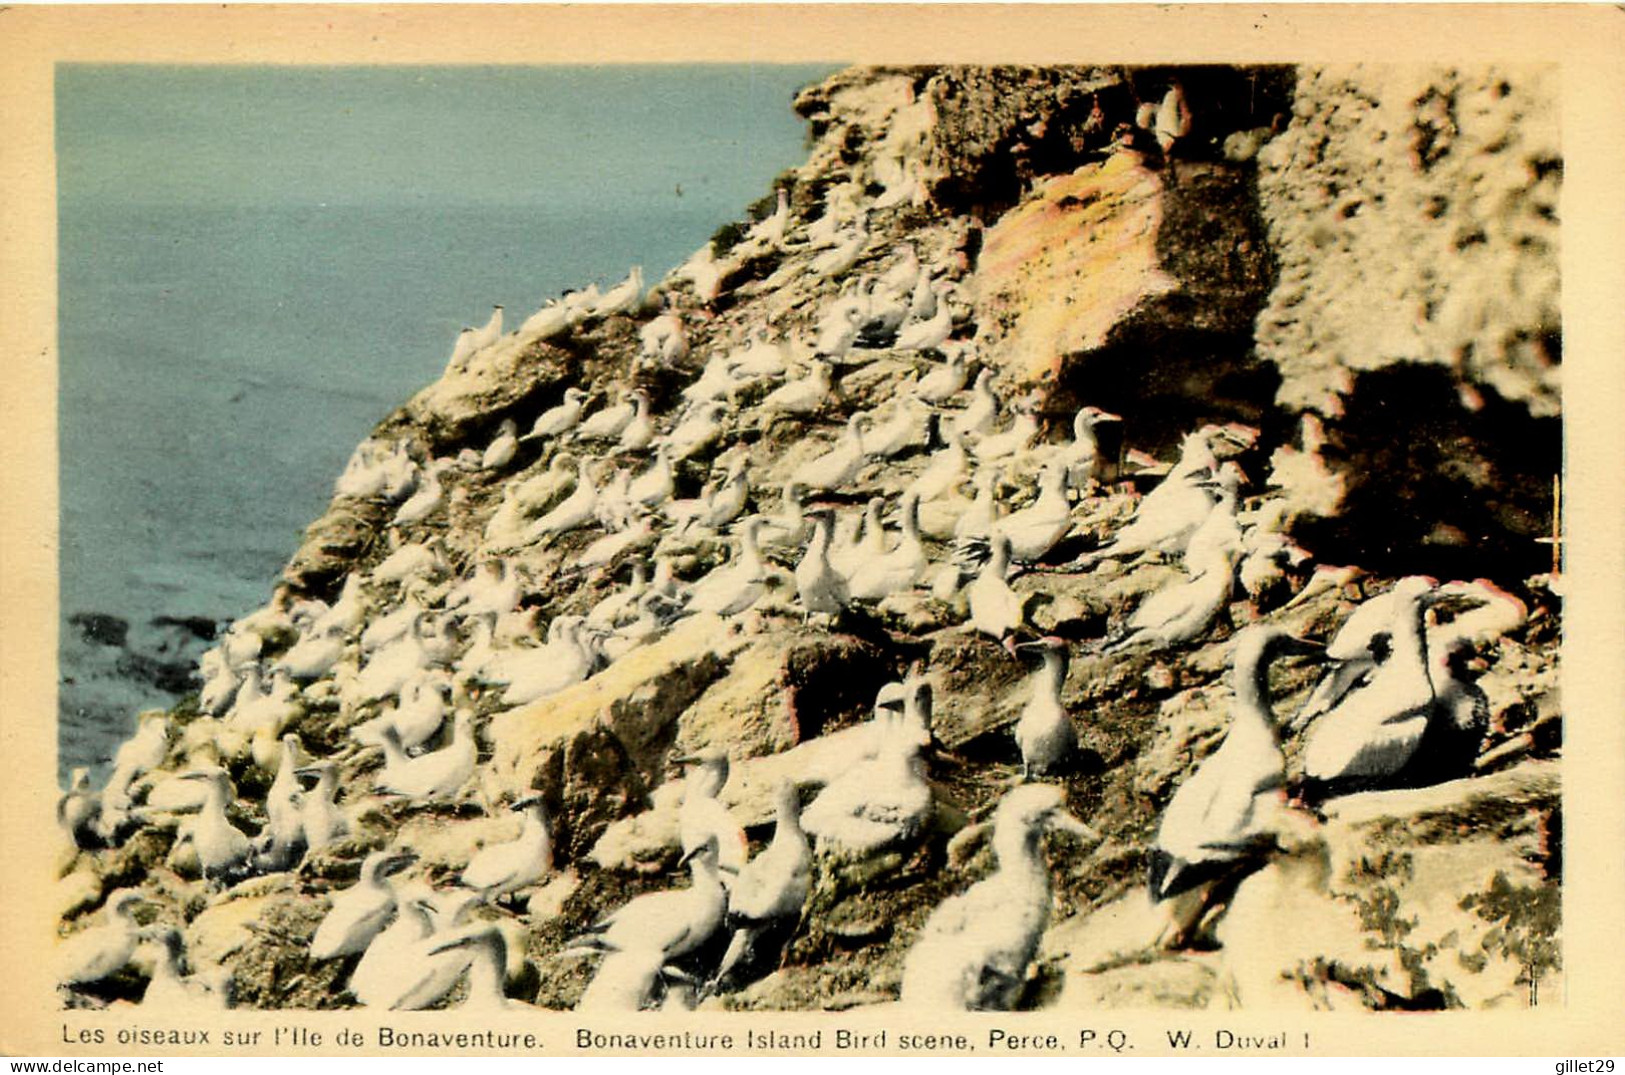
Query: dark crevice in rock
point(1434, 487)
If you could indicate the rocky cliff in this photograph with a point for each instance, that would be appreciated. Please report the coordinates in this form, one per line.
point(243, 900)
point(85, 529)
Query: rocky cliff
point(1355, 269)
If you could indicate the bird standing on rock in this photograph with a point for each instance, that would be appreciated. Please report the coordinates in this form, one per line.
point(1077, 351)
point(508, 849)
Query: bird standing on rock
point(361, 912)
point(975, 951)
point(1217, 822)
point(503, 869)
point(1044, 732)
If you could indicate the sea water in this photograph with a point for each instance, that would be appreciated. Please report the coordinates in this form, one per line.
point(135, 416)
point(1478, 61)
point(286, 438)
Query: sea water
point(258, 264)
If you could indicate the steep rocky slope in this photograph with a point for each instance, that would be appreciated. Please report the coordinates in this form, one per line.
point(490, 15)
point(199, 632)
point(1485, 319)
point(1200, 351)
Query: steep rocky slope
point(1313, 255)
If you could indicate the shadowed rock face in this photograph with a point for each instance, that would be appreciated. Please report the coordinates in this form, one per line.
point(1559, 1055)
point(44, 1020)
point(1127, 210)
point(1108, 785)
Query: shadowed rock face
point(1171, 288)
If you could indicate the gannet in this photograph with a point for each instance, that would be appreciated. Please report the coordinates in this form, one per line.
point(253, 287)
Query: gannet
point(977, 948)
point(655, 485)
point(1081, 458)
point(220, 682)
point(102, 951)
point(879, 801)
point(462, 349)
point(995, 609)
point(728, 502)
point(612, 610)
point(315, 654)
point(430, 494)
point(503, 869)
point(716, 381)
point(320, 819)
point(360, 912)
point(641, 534)
point(559, 419)
point(391, 627)
point(608, 423)
point(769, 231)
point(705, 272)
point(545, 323)
point(222, 849)
point(771, 890)
point(282, 799)
point(424, 560)
point(490, 332)
point(945, 471)
point(148, 747)
point(624, 298)
point(170, 988)
point(493, 587)
point(840, 258)
point(804, 397)
point(898, 570)
point(1185, 610)
point(1369, 737)
point(394, 666)
point(573, 511)
point(979, 521)
point(791, 527)
point(563, 662)
point(78, 809)
point(1044, 731)
point(432, 777)
point(580, 303)
point(393, 960)
point(1173, 118)
point(1221, 528)
point(820, 586)
point(501, 451)
point(418, 715)
point(1036, 529)
point(838, 467)
point(863, 542)
point(997, 446)
point(640, 430)
point(700, 429)
point(908, 428)
point(701, 817)
point(424, 972)
point(984, 407)
point(487, 973)
point(928, 334)
point(944, 382)
point(627, 981)
point(736, 586)
point(1363, 642)
point(1215, 824)
point(663, 340)
point(762, 359)
point(673, 922)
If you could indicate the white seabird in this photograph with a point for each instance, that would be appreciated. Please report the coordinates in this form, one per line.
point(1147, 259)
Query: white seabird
point(503, 869)
point(559, 419)
point(944, 382)
point(702, 817)
point(995, 609)
point(772, 889)
point(500, 452)
point(880, 801)
point(222, 849)
point(1036, 529)
point(102, 951)
point(487, 973)
point(878, 577)
point(804, 397)
point(821, 588)
point(360, 912)
point(1217, 821)
point(975, 951)
point(434, 777)
point(1044, 731)
point(320, 820)
point(171, 990)
point(673, 922)
point(608, 423)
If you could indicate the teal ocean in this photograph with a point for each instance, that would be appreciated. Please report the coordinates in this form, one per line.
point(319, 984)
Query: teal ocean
point(258, 264)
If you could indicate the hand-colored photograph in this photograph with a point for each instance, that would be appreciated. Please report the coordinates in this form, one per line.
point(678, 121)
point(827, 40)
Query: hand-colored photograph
point(991, 538)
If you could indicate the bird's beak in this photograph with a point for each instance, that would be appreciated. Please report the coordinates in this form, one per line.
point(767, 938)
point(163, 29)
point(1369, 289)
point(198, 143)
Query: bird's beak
point(1065, 822)
point(1105, 416)
point(308, 770)
point(460, 942)
point(399, 861)
point(689, 857)
point(1293, 646)
point(196, 776)
point(526, 802)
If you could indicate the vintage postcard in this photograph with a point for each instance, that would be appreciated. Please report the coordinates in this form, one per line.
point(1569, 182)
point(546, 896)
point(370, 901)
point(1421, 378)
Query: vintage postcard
point(1003, 531)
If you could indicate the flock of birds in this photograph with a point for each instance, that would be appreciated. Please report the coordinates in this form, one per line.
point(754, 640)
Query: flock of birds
point(417, 648)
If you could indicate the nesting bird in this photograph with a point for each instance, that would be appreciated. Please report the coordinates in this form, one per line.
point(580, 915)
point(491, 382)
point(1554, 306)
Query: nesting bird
point(975, 951)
